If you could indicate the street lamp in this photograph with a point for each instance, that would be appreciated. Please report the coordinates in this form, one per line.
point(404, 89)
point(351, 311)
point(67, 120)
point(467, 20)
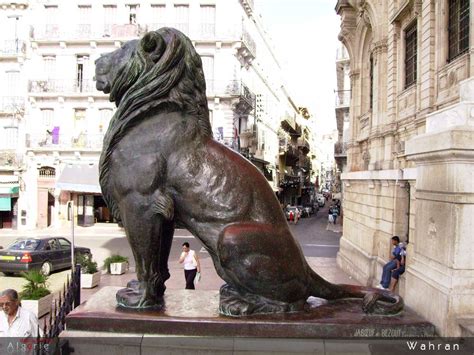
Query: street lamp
point(70, 205)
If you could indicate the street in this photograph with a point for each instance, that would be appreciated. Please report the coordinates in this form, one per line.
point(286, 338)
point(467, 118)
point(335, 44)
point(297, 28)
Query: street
point(316, 237)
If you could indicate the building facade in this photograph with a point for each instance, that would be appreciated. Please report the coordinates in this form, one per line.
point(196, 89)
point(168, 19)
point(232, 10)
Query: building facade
point(410, 157)
point(53, 119)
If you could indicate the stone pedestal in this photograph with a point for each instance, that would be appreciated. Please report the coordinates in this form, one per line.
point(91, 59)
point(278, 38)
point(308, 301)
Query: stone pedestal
point(441, 264)
point(191, 320)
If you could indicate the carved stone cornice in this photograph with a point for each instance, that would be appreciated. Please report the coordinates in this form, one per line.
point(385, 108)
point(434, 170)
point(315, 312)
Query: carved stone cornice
point(380, 46)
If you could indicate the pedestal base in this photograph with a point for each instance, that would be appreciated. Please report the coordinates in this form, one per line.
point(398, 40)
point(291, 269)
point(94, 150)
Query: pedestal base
point(194, 313)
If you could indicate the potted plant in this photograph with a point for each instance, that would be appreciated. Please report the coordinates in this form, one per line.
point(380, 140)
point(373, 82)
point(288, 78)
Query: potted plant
point(35, 295)
point(90, 275)
point(116, 264)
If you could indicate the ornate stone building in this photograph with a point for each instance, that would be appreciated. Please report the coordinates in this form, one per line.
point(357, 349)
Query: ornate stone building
point(410, 152)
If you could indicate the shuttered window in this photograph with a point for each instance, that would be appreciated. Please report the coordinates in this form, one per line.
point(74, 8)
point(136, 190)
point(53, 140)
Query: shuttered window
point(410, 55)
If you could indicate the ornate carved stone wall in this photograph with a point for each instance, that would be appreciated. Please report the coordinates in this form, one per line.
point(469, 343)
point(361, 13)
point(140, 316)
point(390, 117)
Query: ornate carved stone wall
point(383, 192)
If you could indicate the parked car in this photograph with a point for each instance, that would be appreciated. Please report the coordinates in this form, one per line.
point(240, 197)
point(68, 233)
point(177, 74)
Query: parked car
point(293, 209)
point(321, 200)
point(46, 254)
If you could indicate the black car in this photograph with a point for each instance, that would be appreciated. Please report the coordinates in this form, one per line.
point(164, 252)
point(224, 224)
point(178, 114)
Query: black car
point(43, 253)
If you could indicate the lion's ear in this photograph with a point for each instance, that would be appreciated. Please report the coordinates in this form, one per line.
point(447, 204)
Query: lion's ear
point(153, 44)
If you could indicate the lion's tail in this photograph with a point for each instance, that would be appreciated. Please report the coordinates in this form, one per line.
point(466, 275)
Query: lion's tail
point(375, 301)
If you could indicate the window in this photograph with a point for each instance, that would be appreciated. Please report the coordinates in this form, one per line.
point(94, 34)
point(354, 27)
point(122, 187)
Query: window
point(85, 16)
point(132, 13)
point(8, 137)
point(182, 18)
point(47, 117)
point(49, 66)
point(51, 20)
point(371, 78)
point(410, 54)
point(158, 14)
point(110, 18)
point(65, 244)
point(458, 28)
point(82, 69)
point(208, 68)
point(105, 115)
point(12, 76)
point(208, 20)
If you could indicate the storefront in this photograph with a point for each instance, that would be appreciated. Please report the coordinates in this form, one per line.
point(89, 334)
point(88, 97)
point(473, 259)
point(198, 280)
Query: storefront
point(80, 183)
point(9, 205)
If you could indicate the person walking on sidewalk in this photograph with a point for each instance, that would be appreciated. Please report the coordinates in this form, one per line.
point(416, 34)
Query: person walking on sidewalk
point(191, 265)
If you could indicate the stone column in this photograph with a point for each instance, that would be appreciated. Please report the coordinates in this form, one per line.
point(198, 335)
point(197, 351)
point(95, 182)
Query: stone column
point(440, 271)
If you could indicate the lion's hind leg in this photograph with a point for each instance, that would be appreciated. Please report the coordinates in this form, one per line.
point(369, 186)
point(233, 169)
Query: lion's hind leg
point(262, 268)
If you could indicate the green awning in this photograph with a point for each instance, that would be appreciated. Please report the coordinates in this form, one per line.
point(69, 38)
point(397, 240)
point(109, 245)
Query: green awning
point(5, 204)
point(9, 189)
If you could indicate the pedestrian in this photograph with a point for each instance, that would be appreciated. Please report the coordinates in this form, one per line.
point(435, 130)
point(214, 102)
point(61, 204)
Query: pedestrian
point(400, 269)
point(16, 321)
point(191, 265)
point(392, 264)
point(335, 213)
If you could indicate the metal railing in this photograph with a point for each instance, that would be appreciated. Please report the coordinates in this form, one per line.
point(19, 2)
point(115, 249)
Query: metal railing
point(82, 140)
point(61, 86)
point(343, 98)
point(229, 88)
point(249, 42)
point(87, 31)
point(12, 104)
point(12, 48)
point(69, 298)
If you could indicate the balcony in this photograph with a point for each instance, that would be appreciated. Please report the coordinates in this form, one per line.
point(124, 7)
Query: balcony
point(12, 104)
point(12, 48)
point(248, 6)
point(232, 89)
point(340, 150)
point(343, 99)
point(303, 144)
point(87, 32)
point(48, 141)
point(62, 87)
point(248, 49)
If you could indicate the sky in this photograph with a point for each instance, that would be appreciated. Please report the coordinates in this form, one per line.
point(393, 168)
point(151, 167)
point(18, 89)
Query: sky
point(305, 36)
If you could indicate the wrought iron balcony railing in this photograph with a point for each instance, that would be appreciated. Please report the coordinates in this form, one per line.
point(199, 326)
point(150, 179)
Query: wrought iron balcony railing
point(13, 47)
point(12, 104)
point(64, 141)
point(62, 86)
point(86, 31)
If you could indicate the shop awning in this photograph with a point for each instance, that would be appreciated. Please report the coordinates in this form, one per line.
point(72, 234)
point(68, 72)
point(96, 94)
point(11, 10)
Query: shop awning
point(5, 204)
point(80, 178)
point(7, 191)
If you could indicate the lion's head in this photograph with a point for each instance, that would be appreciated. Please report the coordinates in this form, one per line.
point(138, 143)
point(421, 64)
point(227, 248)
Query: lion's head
point(161, 72)
point(160, 69)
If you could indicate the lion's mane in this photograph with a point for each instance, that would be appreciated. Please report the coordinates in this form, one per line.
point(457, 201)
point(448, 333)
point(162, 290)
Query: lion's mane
point(164, 74)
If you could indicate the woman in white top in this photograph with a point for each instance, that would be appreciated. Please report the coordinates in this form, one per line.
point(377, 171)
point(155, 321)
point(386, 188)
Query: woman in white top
point(191, 265)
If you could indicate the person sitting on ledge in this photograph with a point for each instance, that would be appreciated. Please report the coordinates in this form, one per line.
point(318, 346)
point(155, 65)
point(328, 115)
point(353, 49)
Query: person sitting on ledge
point(391, 265)
point(400, 269)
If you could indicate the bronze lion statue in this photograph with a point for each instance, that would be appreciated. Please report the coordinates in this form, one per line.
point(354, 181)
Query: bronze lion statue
point(160, 168)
